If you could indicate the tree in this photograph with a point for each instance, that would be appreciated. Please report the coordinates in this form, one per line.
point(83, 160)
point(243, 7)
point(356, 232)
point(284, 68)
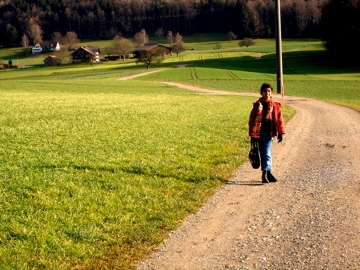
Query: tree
point(340, 27)
point(34, 30)
point(144, 36)
point(230, 35)
point(246, 42)
point(11, 35)
point(141, 38)
point(243, 19)
point(138, 39)
point(178, 38)
point(159, 32)
point(122, 46)
point(25, 42)
point(148, 58)
point(110, 50)
point(57, 37)
point(170, 37)
point(102, 19)
point(178, 46)
point(70, 40)
point(62, 54)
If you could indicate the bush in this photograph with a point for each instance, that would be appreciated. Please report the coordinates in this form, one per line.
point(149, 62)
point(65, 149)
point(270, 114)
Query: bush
point(7, 66)
point(246, 42)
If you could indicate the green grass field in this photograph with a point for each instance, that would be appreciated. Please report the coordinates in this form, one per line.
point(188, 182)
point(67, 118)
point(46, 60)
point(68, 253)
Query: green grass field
point(102, 170)
point(97, 171)
point(306, 73)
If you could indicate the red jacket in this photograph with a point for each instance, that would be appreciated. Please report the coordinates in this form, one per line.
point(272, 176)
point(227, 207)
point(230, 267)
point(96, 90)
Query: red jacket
point(275, 116)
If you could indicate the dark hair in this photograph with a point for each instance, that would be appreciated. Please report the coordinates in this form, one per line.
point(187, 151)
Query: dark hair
point(264, 86)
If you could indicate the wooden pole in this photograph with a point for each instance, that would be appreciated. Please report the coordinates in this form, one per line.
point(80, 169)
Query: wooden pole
point(279, 64)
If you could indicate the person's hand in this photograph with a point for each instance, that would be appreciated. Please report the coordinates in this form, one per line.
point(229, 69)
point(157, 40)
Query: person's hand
point(254, 140)
point(280, 138)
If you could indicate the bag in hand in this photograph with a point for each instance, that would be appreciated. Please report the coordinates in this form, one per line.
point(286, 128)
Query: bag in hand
point(254, 155)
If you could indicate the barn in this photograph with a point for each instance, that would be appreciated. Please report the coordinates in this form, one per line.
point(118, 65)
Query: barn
point(51, 60)
point(153, 48)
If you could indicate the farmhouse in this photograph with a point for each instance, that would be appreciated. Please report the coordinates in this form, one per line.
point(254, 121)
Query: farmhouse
point(86, 55)
point(153, 48)
point(52, 60)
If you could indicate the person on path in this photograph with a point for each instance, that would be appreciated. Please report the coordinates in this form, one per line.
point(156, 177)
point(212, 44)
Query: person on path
point(266, 123)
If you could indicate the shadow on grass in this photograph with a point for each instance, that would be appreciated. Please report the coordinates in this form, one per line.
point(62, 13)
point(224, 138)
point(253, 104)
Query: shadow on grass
point(133, 169)
point(296, 62)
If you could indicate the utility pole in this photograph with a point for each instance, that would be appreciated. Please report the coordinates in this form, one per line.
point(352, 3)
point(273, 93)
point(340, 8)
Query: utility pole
point(279, 64)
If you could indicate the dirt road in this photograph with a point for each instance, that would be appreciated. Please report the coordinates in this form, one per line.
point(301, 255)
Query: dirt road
point(310, 219)
point(139, 75)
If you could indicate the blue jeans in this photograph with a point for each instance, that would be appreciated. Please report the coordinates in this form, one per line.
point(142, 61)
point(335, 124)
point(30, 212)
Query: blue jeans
point(265, 145)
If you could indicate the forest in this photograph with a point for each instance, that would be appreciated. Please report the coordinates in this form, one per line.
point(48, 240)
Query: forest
point(104, 19)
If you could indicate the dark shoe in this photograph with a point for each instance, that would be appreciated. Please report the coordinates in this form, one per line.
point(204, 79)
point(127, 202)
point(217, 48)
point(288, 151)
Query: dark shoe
point(265, 177)
point(270, 177)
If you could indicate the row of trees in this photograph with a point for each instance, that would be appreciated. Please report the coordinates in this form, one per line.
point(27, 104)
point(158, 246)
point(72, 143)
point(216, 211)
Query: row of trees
point(103, 19)
point(31, 21)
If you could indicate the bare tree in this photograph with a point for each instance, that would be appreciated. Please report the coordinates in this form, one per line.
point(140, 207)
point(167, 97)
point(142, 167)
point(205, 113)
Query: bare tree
point(70, 40)
point(62, 54)
point(144, 36)
point(159, 32)
point(110, 50)
point(178, 46)
point(170, 37)
point(57, 37)
point(138, 39)
point(25, 41)
point(122, 46)
point(34, 30)
point(178, 38)
point(141, 38)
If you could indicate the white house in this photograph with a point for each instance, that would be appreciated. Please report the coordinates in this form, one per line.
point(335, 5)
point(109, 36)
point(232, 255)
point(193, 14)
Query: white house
point(36, 49)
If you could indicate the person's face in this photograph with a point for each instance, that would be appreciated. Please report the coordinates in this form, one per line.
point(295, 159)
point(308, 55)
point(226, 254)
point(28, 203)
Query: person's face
point(266, 93)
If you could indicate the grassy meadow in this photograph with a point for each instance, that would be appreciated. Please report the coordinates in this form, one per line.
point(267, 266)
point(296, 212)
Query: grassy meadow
point(96, 171)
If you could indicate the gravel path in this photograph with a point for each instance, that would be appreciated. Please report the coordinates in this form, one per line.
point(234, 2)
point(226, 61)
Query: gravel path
point(310, 219)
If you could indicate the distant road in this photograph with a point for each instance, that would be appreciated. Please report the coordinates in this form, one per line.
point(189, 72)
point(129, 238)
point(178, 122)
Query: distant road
point(139, 75)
